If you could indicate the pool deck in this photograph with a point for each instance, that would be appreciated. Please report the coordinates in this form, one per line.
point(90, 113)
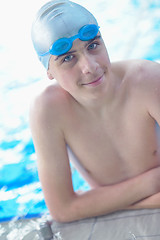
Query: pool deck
point(124, 225)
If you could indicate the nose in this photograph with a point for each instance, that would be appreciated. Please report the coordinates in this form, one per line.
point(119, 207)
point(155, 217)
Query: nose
point(88, 64)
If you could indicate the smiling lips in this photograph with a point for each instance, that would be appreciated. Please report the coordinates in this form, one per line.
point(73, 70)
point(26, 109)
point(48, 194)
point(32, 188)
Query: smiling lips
point(94, 83)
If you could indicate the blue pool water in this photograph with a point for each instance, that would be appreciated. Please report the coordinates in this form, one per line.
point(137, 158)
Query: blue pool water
point(130, 30)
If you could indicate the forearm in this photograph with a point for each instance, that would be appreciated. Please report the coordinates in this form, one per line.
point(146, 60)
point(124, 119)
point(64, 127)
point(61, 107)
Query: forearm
point(107, 199)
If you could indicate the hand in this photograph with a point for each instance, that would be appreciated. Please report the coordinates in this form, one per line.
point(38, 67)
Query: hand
point(153, 180)
point(153, 201)
point(150, 202)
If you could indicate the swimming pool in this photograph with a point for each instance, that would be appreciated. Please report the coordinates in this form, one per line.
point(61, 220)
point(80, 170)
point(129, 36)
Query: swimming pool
point(130, 30)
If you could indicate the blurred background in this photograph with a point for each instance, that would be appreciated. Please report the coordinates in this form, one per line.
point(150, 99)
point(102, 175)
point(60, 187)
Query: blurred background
point(130, 28)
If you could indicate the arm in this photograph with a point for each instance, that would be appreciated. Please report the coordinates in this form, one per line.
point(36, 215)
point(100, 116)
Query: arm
point(55, 175)
point(107, 199)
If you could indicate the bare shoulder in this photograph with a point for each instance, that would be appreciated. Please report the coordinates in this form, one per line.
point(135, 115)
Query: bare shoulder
point(146, 69)
point(143, 71)
point(52, 96)
point(51, 103)
point(139, 73)
point(144, 85)
point(138, 69)
point(141, 83)
point(145, 76)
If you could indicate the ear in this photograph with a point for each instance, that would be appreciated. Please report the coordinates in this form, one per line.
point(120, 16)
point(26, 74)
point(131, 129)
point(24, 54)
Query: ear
point(50, 76)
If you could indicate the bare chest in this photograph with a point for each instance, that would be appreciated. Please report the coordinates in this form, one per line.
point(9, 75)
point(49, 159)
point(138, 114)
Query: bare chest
point(114, 150)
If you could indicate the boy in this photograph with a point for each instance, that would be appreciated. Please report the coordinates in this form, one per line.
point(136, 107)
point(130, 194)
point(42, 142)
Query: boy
point(104, 114)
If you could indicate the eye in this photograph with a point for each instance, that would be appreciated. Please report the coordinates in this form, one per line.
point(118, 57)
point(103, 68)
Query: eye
point(68, 58)
point(93, 46)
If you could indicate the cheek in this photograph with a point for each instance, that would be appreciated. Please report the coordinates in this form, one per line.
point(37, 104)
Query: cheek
point(105, 62)
point(104, 55)
point(65, 80)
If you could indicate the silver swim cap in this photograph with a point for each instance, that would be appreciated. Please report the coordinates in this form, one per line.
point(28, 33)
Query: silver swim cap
point(55, 20)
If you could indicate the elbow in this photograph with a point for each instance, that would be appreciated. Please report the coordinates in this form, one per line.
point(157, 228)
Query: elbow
point(59, 216)
point(65, 214)
point(61, 219)
point(62, 216)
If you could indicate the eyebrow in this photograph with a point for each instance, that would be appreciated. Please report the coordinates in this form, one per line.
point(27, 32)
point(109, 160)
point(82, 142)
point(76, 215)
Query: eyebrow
point(70, 52)
point(90, 41)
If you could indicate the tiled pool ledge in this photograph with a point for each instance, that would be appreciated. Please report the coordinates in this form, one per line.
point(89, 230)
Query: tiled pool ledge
point(123, 225)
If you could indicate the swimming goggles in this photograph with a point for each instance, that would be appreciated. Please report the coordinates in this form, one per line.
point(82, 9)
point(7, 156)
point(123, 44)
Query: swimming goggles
point(63, 45)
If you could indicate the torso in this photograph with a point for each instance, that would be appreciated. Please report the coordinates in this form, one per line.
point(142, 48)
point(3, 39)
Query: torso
point(113, 148)
point(120, 148)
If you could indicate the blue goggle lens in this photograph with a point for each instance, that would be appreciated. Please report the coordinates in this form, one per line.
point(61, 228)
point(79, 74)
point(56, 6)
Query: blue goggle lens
point(88, 32)
point(60, 47)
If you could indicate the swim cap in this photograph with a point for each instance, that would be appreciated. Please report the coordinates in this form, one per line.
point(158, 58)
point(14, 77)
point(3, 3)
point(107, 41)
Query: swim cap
point(55, 20)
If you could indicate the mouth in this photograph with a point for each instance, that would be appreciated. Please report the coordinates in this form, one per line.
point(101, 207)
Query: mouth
point(95, 82)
